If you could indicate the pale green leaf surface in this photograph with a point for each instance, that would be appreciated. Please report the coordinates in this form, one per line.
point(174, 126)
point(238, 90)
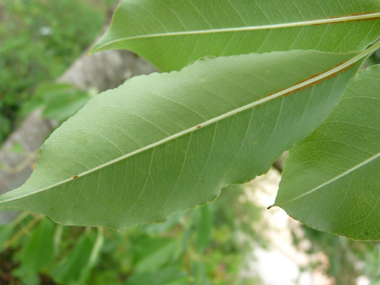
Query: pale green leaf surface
point(163, 143)
point(331, 180)
point(172, 33)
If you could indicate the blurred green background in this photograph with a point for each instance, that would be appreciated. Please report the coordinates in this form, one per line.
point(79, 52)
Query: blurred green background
point(39, 39)
point(206, 245)
point(211, 244)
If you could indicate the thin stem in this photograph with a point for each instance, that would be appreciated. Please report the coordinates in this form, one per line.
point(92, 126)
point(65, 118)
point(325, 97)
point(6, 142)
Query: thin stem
point(23, 231)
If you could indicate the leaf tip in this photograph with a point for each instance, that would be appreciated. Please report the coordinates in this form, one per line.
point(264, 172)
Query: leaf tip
point(93, 50)
point(98, 46)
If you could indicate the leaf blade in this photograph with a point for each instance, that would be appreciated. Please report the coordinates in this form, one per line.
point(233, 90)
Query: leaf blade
point(349, 136)
point(171, 34)
point(119, 162)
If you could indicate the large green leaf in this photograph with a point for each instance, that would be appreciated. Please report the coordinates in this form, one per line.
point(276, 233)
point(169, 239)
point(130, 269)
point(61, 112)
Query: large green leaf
point(172, 33)
point(166, 142)
point(331, 180)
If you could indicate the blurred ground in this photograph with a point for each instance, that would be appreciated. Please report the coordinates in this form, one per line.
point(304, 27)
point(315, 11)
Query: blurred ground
point(281, 263)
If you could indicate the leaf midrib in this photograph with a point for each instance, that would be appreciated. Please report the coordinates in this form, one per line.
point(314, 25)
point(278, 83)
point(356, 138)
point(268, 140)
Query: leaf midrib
point(308, 83)
point(351, 18)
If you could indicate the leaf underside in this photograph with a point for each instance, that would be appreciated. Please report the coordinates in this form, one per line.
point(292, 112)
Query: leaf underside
point(172, 33)
point(163, 143)
point(331, 180)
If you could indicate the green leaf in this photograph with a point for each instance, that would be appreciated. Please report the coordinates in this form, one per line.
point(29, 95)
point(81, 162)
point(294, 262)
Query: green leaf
point(39, 250)
point(17, 148)
point(203, 237)
point(186, 234)
point(5, 234)
point(163, 143)
point(63, 100)
point(93, 259)
point(151, 254)
point(59, 100)
point(72, 267)
point(7, 230)
point(172, 33)
point(331, 180)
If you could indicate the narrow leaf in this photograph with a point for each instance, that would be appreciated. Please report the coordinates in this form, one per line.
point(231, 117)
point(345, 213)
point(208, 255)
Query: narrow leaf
point(71, 268)
point(38, 251)
point(5, 234)
point(172, 33)
point(204, 228)
point(163, 143)
point(94, 258)
point(154, 253)
point(331, 180)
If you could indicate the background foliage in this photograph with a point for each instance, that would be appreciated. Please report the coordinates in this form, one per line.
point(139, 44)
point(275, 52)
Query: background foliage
point(39, 39)
point(206, 245)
